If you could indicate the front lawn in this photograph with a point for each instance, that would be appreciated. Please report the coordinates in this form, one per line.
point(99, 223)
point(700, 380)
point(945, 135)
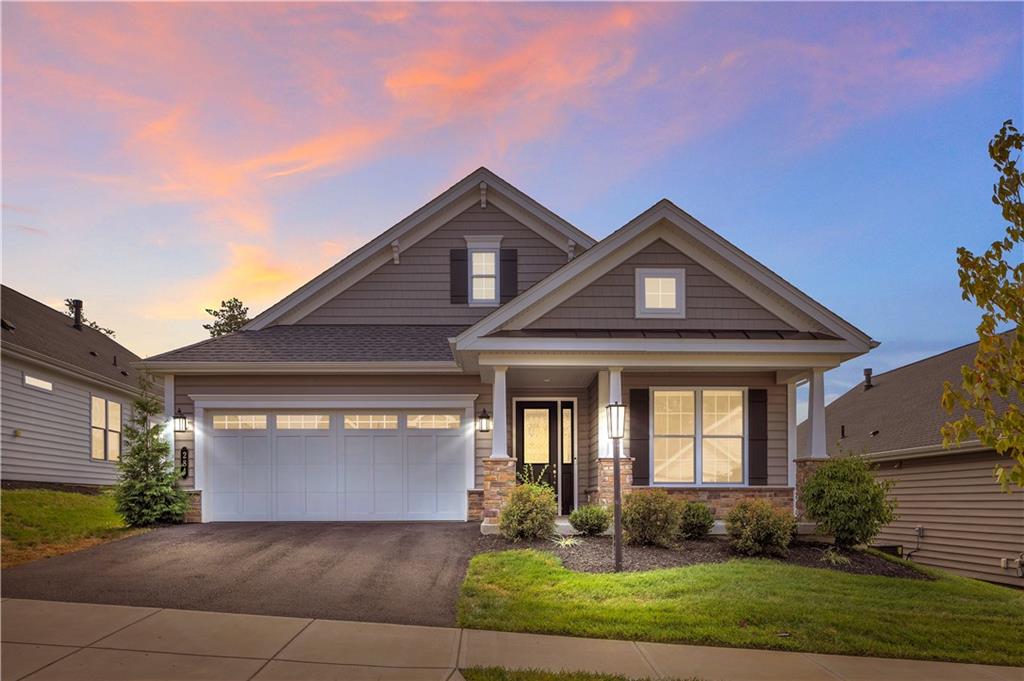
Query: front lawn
point(40, 523)
point(750, 604)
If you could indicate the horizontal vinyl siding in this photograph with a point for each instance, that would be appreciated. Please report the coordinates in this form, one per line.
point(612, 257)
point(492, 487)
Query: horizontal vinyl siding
point(54, 440)
point(610, 302)
point(778, 453)
point(969, 523)
point(417, 290)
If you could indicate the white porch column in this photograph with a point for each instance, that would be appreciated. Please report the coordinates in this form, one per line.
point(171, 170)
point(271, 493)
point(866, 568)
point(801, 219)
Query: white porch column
point(614, 395)
point(816, 413)
point(169, 411)
point(499, 432)
point(604, 443)
point(791, 452)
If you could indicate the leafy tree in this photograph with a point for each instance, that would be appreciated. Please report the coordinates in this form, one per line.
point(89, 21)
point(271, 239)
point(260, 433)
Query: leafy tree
point(148, 492)
point(994, 280)
point(231, 317)
point(91, 324)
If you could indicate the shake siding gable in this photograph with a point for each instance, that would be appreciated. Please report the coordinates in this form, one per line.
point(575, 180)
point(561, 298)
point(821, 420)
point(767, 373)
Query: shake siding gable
point(610, 302)
point(418, 289)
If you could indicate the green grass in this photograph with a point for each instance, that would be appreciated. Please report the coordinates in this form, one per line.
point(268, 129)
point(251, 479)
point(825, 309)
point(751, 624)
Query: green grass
point(749, 604)
point(41, 523)
point(499, 674)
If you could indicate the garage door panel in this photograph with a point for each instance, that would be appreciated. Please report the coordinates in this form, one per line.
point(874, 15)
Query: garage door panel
point(256, 479)
point(320, 451)
point(322, 480)
point(256, 451)
point(289, 450)
point(389, 505)
point(358, 505)
point(422, 479)
point(388, 478)
point(451, 505)
point(451, 450)
point(387, 451)
point(451, 479)
point(422, 504)
point(257, 506)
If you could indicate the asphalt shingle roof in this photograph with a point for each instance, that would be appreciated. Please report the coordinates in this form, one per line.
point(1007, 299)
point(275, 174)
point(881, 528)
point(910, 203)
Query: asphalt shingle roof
point(42, 329)
point(902, 405)
point(324, 343)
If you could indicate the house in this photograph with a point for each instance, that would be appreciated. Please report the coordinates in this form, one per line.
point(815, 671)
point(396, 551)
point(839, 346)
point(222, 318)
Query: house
point(482, 334)
point(952, 512)
point(67, 393)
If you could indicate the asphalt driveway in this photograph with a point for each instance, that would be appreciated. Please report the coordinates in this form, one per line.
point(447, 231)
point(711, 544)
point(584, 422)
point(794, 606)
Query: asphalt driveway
point(404, 573)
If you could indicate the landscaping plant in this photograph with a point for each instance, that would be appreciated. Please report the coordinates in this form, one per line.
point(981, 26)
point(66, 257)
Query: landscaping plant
point(759, 529)
point(696, 520)
point(590, 520)
point(529, 513)
point(846, 501)
point(650, 518)
point(147, 492)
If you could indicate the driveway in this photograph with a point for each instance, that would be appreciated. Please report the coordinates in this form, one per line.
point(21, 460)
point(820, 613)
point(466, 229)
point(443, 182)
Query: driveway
point(403, 573)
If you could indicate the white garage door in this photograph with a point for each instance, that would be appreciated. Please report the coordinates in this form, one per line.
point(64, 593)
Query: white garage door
point(337, 466)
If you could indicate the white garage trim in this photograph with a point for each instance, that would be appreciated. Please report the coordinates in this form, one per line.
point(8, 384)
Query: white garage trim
point(269, 403)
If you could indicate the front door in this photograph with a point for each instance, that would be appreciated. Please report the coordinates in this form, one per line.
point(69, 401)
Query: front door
point(544, 446)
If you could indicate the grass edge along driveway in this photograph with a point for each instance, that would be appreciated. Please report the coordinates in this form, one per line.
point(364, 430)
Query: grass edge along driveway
point(750, 604)
point(41, 523)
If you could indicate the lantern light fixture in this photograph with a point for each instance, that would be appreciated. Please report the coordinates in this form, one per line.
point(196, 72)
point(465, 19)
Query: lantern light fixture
point(483, 422)
point(180, 422)
point(616, 420)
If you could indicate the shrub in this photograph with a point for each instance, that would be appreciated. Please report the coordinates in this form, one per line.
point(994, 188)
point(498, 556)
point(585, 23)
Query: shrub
point(846, 501)
point(650, 518)
point(696, 520)
point(147, 491)
point(759, 529)
point(529, 513)
point(590, 520)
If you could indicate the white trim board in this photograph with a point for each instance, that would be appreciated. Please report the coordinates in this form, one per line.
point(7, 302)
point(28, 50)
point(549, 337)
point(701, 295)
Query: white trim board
point(361, 401)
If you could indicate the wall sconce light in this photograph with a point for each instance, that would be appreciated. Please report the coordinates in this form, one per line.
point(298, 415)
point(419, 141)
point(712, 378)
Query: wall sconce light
point(483, 421)
point(616, 420)
point(180, 422)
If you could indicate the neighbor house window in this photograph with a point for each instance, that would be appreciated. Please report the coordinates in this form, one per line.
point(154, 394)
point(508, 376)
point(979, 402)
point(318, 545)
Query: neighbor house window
point(105, 429)
point(303, 422)
point(660, 292)
point(240, 422)
point(39, 383)
point(698, 436)
point(483, 269)
point(433, 421)
point(371, 421)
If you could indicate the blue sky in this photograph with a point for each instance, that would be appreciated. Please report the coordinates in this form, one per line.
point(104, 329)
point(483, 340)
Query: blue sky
point(160, 158)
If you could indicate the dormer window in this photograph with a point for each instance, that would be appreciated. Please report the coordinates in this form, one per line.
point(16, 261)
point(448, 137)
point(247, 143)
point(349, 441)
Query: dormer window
point(483, 271)
point(660, 293)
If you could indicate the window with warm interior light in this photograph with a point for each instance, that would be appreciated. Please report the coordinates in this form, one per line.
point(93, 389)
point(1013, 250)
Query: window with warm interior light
point(105, 429)
point(661, 293)
point(698, 436)
point(38, 383)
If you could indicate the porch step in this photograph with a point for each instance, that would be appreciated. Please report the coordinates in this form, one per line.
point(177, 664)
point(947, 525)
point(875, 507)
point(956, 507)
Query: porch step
point(562, 526)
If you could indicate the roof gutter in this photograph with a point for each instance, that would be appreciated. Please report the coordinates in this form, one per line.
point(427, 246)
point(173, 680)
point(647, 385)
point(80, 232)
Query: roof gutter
point(67, 369)
point(181, 368)
point(925, 451)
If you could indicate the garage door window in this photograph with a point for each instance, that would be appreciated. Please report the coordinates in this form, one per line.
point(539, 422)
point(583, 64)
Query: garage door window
point(303, 422)
point(240, 422)
point(434, 422)
point(371, 421)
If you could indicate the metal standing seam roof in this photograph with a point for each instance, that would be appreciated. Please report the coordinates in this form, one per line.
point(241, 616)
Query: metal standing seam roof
point(40, 328)
point(324, 343)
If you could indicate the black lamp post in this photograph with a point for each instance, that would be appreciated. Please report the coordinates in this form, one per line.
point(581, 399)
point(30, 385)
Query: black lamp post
point(616, 430)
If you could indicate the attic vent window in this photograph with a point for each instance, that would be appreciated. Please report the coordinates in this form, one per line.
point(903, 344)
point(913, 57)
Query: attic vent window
point(660, 293)
point(7, 326)
point(38, 383)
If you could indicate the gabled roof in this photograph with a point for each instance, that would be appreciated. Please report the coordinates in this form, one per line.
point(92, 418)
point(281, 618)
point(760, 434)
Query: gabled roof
point(416, 226)
point(45, 335)
point(664, 220)
point(902, 408)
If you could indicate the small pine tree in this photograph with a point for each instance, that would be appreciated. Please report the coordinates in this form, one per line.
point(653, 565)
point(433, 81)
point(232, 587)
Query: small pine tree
point(147, 492)
point(231, 317)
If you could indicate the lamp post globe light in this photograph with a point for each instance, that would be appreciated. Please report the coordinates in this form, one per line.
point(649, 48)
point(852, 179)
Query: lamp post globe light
point(616, 430)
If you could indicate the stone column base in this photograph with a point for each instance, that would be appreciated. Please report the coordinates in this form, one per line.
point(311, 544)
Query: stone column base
point(499, 479)
point(475, 504)
point(606, 479)
point(805, 468)
point(194, 513)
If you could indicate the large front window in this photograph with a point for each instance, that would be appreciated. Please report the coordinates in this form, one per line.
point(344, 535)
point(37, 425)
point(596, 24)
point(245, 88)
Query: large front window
point(697, 436)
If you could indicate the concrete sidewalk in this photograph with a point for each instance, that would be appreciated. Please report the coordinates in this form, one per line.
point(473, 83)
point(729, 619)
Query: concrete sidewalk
point(50, 640)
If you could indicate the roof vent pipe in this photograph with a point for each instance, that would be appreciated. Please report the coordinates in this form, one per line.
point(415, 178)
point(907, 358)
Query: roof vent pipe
point(76, 304)
point(867, 379)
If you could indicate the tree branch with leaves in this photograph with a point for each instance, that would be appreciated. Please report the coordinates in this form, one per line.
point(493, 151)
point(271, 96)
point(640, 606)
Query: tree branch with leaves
point(231, 317)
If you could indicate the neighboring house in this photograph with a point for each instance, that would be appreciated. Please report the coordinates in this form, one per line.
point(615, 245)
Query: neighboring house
point(952, 512)
point(67, 392)
point(361, 395)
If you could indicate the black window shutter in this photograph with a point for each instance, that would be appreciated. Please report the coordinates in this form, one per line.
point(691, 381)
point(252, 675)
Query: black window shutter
point(509, 274)
point(757, 446)
point(639, 435)
point(459, 273)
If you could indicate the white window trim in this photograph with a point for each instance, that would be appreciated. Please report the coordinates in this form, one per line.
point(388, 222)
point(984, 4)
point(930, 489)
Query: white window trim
point(483, 244)
point(698, 436)
point(677, 273)
point(26, 377)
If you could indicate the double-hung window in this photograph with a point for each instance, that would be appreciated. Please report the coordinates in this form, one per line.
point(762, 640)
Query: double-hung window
point(484, 286)
point(660, 293)
point(105, 427)
point(698, 436)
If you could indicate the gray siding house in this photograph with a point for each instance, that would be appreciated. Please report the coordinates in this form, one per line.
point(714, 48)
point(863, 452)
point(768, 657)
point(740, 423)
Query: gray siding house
point(952, 513)
point(66, 394)
point(484, 334)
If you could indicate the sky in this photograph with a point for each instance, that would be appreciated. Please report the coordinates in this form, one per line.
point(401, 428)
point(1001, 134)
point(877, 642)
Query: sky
point(159, 158)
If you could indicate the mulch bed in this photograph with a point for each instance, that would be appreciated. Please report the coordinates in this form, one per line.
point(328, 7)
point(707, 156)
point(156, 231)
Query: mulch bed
point(594, 554)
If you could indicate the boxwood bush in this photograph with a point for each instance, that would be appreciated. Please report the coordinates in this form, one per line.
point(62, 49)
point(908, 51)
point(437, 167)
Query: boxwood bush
point(846, 501)
point(590, 520)
point(696, 520)
point(650, 518)
point(529, 513)
point(759, 529)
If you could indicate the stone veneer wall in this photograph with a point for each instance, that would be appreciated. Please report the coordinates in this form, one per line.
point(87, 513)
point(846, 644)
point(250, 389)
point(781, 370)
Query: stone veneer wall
point(499, 479)
point(476, 504)
point(804, 469)
point(194, 513)
point(721, 500)
point(605, 492)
